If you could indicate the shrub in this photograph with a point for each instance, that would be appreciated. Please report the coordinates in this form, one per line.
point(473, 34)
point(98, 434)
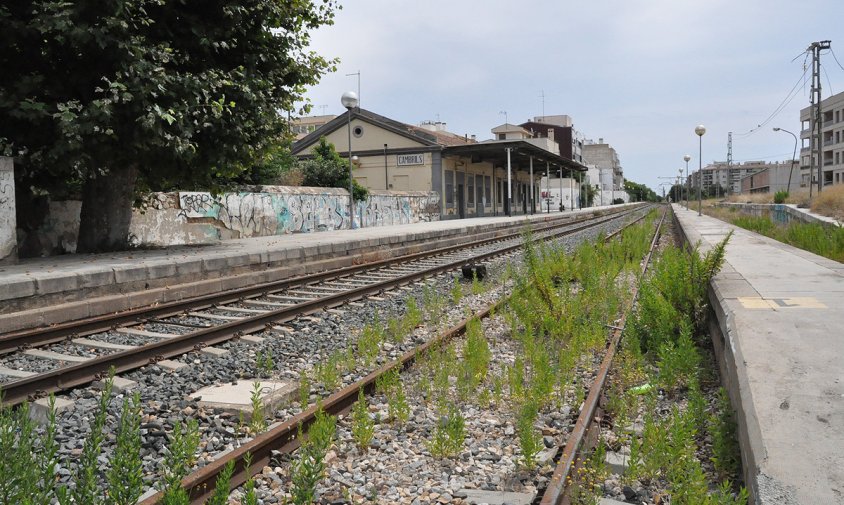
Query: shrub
point(780, 196)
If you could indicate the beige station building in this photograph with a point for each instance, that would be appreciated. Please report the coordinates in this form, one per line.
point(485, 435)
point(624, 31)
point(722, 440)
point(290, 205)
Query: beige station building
point(471, 177)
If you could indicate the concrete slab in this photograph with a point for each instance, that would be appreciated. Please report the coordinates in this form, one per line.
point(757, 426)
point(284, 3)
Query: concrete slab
point(475, 496)
point(213, 351)
point(144, 333)
point(39, 410)
point(99, 344)
point(19, 374)
point(782, 357)
point(119, 384)
point(237, 398)
point(171, 365)
point(40, 353)
point(617, 462)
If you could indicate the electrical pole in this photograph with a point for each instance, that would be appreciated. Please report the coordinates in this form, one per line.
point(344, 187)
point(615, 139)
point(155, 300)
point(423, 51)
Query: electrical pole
point(817, 123)
point(730, 162)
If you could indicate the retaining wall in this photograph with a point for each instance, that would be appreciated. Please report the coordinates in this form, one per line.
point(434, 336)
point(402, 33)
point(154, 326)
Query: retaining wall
point(780, 212)
point(200, 218)
point(8, 219)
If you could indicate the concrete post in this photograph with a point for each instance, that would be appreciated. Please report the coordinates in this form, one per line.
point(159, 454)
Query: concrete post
point(8, 218)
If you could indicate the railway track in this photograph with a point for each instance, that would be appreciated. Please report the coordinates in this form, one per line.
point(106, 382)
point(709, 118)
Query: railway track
point(179, 327)
point(283, 437)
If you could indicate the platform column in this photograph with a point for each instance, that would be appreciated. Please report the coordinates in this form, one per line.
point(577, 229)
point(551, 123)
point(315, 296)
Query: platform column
point(8, 219)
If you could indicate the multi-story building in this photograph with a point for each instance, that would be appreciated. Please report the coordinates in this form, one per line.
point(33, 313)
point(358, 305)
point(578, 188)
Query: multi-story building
point(302, 126)
point(605, 158)
point(777, 177)
point(560, 129)
point(719, 178)
point(832, 142)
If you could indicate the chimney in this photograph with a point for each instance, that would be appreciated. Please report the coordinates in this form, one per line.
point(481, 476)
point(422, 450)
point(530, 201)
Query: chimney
point(474, 138)
point(551, 134)
point(600, 140)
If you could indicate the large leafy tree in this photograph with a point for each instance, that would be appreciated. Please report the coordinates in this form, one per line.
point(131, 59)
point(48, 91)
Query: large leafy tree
point(640, 192)
point(116, 95)
point(327, 169)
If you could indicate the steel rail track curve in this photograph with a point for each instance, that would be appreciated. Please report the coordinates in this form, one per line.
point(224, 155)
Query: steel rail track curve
point(59, 379)
point(283, 436)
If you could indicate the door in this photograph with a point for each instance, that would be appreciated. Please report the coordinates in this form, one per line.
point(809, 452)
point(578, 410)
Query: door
point(461, 207)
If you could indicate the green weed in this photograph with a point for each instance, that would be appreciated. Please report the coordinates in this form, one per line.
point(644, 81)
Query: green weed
point(363, 427)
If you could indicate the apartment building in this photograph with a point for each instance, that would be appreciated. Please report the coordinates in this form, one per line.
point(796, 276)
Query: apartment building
point(832, 143)
point(604, 157)
point(720, 178)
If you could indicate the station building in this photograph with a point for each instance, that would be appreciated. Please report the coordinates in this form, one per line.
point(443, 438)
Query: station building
point(471, 177)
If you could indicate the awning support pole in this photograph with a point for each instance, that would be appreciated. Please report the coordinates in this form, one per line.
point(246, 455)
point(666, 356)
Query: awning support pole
point(509, 186)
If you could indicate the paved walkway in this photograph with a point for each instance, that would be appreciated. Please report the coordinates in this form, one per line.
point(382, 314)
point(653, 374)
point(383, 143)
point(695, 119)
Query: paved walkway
point(781, 313)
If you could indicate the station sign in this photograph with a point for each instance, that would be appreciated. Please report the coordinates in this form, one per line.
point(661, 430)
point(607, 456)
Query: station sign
point(410, 159)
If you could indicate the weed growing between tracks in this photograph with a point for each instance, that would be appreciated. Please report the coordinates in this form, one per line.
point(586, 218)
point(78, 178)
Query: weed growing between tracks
point(660, 382)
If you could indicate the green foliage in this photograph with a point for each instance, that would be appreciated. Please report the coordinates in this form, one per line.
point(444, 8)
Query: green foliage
point(823, 240)
point(264, 363)
point(257, 420)
point(780, 196)
point(449, 434)
point(456, 292)
point(179, 459)
point(640, 192)
point(722, 427)
point(369, 342)
point(277, 166)
point(328, 371)
point(326, 169)
point(304, 390)
point(678, 362)
point(125, 472)
point(529, 440)
point(250, 496)
point(413, 316)
point(363, 427)
point(29, 464)
point(125, 88)
point(309, 468)
point(222, 485)
point(86, 478)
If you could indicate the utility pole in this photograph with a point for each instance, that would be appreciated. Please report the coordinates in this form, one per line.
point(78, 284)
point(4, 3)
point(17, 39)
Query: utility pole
point(730, 162)
point(817, 122)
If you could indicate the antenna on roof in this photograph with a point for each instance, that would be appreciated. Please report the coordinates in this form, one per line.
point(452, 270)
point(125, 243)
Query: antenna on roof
point(323, 107)
point(505, 116)
point(357, 74)
point(542, 96)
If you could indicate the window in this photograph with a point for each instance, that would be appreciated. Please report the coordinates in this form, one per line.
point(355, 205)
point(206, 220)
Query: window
point(357, 131)
point(449, 188)
point(488, 190)
point(470, 183)
point(502, 136)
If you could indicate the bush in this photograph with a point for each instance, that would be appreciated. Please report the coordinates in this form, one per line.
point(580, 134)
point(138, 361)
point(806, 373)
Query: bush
point(328, 170)
point(780, 196)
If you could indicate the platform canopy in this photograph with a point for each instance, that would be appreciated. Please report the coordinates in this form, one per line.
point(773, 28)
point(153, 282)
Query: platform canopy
point(495, 152)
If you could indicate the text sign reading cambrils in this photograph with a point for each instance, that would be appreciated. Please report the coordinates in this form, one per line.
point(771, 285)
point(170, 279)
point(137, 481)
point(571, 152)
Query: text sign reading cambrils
point(410, 159)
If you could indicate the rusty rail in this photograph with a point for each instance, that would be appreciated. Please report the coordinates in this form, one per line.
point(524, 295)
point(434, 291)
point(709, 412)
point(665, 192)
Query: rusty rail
point(283, 437)
point(557, 487)
point(59, 379)
point(13, 341)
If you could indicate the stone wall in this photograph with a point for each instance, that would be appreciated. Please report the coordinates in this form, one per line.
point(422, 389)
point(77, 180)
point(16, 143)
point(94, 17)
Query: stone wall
point(8, 217)
point(193, 218)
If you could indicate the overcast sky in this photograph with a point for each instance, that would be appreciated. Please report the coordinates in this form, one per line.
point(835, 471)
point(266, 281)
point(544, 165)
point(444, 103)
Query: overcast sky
point(639, 73)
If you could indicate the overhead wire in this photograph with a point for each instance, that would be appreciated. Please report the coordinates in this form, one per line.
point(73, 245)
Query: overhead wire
point(835, 58)
point(787, 100)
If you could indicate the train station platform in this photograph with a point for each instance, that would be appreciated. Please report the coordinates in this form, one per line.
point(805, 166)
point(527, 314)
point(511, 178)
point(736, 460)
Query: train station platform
point(44, 291)
point(780, 345)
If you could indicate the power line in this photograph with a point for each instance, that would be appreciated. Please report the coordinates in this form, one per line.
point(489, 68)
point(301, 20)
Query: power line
point(835, 58)
point(787, 100)
point(831, 92)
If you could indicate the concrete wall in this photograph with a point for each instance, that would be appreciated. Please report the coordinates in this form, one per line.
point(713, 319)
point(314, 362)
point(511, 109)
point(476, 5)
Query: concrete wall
point(183, 218)
point(8, 217)
point(781, 213)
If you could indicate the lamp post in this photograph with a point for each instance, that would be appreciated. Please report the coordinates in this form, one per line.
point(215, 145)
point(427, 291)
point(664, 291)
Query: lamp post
point(680, 187)
point(793, 157)
point(699, 130)
point(688, 181)
point(350, 101)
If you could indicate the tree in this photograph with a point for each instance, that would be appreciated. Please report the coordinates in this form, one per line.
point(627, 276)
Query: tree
point(326, 169)
point(640, 192)
point(117, 95)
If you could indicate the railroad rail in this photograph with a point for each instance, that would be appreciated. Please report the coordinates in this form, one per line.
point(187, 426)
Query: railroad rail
point(558, 484)
point(280, 309)
point(282, 438)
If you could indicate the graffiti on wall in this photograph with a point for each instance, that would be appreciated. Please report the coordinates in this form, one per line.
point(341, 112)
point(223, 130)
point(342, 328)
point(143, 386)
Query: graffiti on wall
point(277, 213)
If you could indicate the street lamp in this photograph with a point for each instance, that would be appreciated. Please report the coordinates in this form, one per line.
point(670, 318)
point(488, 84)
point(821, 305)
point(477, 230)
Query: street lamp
point(793, 157)
point(688, 181)
point(680, 188)
point(699, 130)
point(350, 101)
